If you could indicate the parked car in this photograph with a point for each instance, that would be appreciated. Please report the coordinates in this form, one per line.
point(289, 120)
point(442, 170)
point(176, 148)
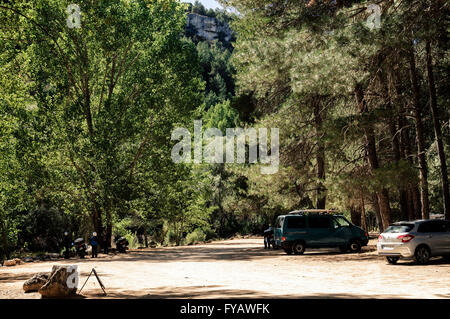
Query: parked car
point(317, 229)
point(419, 240)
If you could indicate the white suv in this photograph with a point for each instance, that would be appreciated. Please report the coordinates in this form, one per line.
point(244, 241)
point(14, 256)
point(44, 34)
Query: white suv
point(419, 240)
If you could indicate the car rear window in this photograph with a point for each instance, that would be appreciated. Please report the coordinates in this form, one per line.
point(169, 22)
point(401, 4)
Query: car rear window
point(402, 228)
point(319, 222)
point(296, 222)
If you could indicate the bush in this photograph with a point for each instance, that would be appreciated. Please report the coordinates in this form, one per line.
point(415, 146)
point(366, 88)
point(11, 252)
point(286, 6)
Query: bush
point(43, 230)
point(132, 240)
point(210, 234)
point(197, 236)
point(170, 238)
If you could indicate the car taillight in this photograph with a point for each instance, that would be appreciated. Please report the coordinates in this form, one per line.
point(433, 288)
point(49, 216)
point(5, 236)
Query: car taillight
point(405, 238)
point(380, 237)
point(283, 238)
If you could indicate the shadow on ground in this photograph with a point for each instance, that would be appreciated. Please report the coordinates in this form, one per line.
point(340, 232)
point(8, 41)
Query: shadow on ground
point(224, 252)
point(214, 291)
point(13, 277)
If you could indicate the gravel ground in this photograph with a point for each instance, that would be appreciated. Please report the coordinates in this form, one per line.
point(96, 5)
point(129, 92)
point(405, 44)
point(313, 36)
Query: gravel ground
point(242, 268)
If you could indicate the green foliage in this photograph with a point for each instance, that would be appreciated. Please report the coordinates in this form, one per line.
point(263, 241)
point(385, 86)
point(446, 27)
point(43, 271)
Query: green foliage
point(217, 71)
point(195, 237)
point(298, 60)
point(86, 115)
point(95, 104)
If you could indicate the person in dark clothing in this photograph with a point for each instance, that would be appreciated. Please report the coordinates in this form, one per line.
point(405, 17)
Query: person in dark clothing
point(94, 243)
point(67, 245)
point(268, 237)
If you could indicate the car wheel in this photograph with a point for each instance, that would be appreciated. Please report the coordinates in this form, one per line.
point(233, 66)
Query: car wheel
point(392, 260)
point(343, 249)
point(422, 255)
point(355, 246)
point(298, 248)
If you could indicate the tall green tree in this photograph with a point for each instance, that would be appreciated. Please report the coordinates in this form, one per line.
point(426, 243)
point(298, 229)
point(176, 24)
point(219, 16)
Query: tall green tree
point(107, 89)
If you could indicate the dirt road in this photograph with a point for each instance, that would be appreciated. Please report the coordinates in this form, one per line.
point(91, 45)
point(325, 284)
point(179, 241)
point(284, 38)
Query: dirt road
point(242, 268)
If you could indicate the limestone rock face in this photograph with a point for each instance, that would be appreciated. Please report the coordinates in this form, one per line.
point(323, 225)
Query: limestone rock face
point(58, 284)
point(208, 28)
point(35, 282)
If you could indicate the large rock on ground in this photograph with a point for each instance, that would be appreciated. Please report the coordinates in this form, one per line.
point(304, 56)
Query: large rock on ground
point(57, 284)
point(35, 282)
point(18, 261)
point(11, 262)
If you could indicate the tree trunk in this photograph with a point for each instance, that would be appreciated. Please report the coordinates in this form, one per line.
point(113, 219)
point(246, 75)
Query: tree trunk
point(97, 220)
point(4, 245)
point(395, 144)
point(108, 234)
point(411, 211)
point(413, 194)
point(382, 195)
point(363, 211)
point(320, 156)
point(416, 201)
point(423, 169)
point(376, 207)
point(397, 157)
point(437, 130)
point(145, 237)
point(355, 215)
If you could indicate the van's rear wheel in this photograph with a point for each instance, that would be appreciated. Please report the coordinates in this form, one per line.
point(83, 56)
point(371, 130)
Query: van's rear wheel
point(298, 248)
point(392, 260)
point(355, 246)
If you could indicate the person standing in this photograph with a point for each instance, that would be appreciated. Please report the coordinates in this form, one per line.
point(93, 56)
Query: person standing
point(67, 245)
point(94, 243)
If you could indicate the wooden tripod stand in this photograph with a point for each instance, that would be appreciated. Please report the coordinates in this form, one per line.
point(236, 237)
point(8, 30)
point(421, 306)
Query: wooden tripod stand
point(98, 279)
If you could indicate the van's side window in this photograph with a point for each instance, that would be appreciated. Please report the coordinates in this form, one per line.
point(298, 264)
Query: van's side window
point(296, 222)
point(319, 222)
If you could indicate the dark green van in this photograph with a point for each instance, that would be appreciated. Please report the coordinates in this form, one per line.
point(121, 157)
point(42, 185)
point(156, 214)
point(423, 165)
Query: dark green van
point(317, 229)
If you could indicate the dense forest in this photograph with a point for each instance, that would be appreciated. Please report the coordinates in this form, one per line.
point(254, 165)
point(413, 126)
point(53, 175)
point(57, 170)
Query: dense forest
point(359, 91)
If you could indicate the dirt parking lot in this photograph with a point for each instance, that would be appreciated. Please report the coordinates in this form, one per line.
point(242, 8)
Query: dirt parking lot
point(242, 268)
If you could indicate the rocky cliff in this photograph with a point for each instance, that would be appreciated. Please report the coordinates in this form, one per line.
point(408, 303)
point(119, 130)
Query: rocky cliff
point(208, 28)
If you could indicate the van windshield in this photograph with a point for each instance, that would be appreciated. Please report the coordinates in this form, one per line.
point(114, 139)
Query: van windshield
point(342, 221)
point(400, 228)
